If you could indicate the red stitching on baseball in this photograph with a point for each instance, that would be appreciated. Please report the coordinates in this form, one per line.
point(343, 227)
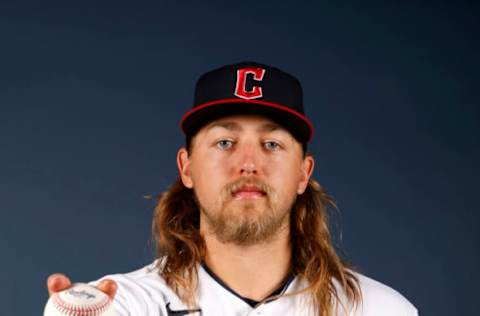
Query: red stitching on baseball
point(72, 310)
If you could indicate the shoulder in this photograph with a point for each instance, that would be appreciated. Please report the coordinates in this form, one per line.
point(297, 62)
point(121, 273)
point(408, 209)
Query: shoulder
point(379, 299)
point(142, 277)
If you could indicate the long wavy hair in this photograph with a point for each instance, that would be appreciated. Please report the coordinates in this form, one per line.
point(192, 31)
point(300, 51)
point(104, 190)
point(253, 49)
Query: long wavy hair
point(177, 239)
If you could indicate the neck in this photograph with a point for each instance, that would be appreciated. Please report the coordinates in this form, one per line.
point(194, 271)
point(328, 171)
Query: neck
point(252, 271)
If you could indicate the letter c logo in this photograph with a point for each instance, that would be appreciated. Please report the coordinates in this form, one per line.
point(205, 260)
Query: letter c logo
point(240, 88)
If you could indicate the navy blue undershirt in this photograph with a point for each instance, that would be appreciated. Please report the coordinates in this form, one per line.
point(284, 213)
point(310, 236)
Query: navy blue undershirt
point(252, 303)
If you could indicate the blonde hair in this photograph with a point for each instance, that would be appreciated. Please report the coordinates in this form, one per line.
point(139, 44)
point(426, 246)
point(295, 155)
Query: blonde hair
point(175, 231)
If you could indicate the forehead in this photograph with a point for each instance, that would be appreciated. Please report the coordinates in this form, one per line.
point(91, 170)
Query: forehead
point(238, 123)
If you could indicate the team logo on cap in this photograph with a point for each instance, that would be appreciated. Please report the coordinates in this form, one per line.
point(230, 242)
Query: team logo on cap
point(241, 86)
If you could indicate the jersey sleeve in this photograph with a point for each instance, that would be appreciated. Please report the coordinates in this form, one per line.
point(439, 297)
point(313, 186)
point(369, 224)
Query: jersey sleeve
point(381, 300)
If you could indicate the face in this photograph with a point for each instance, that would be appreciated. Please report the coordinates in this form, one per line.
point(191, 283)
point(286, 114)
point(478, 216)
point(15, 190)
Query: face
point(246, 172)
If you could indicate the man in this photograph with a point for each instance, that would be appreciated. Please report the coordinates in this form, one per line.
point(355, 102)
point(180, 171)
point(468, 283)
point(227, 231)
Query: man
point(244, 231)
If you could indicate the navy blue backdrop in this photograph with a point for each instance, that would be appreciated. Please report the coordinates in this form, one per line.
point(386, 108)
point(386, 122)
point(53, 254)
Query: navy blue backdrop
point(91, 95)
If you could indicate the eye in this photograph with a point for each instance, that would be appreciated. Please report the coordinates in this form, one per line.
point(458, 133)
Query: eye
point(272, 146)
point(224, 144)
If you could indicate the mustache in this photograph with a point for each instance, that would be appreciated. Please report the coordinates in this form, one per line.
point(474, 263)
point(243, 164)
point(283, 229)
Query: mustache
point(236, 185)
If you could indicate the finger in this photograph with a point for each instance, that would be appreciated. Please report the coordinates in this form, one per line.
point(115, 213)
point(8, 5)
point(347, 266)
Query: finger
point(108, 286)
point(57, 282)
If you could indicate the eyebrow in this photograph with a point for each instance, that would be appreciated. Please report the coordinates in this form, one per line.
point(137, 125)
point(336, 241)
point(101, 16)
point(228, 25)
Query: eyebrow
point(235, 127)
point(231, 126)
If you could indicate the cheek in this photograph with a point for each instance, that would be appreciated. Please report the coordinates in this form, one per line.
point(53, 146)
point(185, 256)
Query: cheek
point(285, 177)
point(208, 176)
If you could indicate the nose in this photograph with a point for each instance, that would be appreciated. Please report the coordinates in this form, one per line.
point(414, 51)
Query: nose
point(249, 160)
point(248, 168)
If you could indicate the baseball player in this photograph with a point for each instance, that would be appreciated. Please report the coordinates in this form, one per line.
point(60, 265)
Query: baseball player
point(243, 230)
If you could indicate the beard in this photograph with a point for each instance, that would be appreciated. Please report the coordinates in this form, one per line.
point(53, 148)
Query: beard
point(245, 222)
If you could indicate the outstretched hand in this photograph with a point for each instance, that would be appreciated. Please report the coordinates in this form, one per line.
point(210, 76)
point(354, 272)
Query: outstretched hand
point(58, 282)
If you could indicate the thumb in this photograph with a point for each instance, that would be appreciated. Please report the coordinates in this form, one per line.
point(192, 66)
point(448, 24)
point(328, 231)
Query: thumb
point(108, 287)
point(57, 282)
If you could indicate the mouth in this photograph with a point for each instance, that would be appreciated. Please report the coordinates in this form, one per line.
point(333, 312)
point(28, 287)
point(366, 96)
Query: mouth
point(248, 192)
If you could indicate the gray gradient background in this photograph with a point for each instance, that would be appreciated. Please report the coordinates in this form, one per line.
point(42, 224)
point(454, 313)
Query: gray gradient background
point(91, 96)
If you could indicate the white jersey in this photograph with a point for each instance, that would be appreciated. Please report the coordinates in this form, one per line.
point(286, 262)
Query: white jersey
point(144, 293)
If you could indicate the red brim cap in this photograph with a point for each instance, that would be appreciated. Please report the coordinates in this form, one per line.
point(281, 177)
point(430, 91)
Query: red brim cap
point(249, 88)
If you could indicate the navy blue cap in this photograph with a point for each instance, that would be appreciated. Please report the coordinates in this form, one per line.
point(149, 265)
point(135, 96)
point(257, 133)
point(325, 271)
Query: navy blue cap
point(249, 88)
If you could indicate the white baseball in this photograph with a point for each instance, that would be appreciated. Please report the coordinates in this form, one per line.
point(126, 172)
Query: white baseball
point(79, 300)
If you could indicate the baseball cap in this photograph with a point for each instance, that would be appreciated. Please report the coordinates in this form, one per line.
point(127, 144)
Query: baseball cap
point(249, 88)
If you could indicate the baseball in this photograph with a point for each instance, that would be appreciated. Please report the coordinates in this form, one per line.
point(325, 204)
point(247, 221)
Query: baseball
point(79, 300)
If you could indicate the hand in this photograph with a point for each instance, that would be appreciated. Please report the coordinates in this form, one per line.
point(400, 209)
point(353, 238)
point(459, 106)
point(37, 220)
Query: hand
point(58, 282)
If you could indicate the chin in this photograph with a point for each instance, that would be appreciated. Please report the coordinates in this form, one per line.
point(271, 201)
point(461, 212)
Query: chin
point(246, 208)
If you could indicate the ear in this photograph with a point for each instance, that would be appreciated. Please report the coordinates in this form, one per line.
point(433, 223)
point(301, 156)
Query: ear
point(306, 170)
point(183, 164)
